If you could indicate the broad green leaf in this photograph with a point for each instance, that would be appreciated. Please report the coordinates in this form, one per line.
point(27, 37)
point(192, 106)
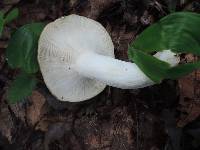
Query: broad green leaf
point(158, 70)
point(179, 32)
point(22, 48)
point(151, 66)
point(13, 14)
point(22, 87)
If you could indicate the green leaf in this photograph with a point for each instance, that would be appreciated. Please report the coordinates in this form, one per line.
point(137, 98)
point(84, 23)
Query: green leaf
point(13, 14)
point(178, 31)
point(181, 70)
point(22, 87)
point(154, 68)
point(158, 70)
point(22, 48)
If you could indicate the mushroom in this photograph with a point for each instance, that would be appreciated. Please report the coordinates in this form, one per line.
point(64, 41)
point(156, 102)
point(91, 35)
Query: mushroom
point(76, 58)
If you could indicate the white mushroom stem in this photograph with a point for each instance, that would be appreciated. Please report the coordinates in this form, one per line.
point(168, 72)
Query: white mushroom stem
point(117, 73)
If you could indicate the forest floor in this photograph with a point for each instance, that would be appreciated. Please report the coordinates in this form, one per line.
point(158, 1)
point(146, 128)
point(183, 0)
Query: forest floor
point(160, 117)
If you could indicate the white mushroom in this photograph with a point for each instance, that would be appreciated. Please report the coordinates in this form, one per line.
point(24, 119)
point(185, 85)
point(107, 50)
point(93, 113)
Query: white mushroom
point(76, 58)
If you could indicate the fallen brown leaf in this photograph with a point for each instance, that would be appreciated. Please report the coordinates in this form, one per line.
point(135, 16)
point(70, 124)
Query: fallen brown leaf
point(189, 88)
point(35, 110)
point(121, 40)
point(47, 120)
point(6, 123)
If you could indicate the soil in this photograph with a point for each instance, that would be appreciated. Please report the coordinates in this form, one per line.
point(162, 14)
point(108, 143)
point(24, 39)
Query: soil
point(160, 117)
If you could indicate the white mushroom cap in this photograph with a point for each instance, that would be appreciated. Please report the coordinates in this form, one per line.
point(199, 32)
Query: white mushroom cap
point(60, 44)
point(76, 58)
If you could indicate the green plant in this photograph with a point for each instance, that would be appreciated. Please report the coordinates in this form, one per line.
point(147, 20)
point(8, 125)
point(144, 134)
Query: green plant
point(178, 32)
point(21, 87)
point(21, 53)
point(5, 19)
